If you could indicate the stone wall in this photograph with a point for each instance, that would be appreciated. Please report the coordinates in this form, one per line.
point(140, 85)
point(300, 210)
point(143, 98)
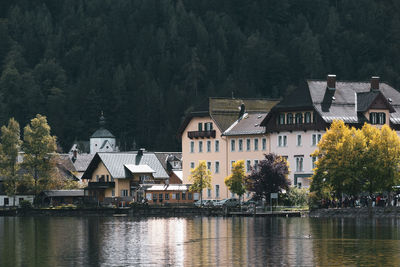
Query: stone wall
point(356, 212)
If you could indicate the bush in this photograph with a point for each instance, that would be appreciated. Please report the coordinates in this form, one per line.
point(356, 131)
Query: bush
point(25, 204)
point(296, 197)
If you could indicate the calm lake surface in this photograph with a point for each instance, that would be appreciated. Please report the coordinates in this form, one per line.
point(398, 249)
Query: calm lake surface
point(214, 241)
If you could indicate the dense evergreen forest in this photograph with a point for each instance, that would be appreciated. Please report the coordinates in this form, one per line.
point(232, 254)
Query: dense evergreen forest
point(147, 62)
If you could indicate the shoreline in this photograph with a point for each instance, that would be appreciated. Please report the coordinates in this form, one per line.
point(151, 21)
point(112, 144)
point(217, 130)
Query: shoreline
point(359, 212)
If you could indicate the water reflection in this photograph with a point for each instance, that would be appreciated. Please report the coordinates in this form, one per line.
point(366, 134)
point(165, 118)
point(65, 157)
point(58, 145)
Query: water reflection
point(102, 241)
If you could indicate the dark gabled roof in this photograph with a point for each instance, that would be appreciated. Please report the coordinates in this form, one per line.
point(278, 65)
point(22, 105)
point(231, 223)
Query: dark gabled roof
point(341, 104)
point(247, 125)
point(225, 111)
point(300, 98)
point(164, 156)
point(115, 164)
point(102, 133)
point(365, 99)
point(82, 162)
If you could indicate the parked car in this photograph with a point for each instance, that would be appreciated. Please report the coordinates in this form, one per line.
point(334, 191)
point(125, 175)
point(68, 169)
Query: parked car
point(228, 202)
point(204, 202)
point(210, 202)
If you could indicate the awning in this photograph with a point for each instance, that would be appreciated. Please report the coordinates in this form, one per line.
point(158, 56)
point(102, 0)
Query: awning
point(139, 168)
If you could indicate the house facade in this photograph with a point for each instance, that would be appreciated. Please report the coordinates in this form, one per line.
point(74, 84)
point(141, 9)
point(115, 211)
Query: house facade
point(225, 131)
point(126, 177)
point(297, 123)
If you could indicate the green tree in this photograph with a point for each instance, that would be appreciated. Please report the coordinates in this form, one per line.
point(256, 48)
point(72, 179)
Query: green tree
point(236, 181)
point(200, 178)
point(9, 148)
point(269, 176)
point(39, 147)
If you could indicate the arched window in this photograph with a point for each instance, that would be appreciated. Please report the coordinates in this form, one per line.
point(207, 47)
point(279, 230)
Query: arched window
point(289, 118)
point(307, 117)
point(299, 118)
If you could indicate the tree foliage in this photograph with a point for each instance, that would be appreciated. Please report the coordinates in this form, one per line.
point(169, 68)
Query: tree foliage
point(9, 148)
point(236, 181)
point(39, 147)
point(200, 177)
point(157, 59)
point(270, 175)
point(353, 160)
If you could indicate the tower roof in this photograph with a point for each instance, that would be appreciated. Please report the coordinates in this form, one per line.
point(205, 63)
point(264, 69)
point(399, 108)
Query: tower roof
point(102, 132)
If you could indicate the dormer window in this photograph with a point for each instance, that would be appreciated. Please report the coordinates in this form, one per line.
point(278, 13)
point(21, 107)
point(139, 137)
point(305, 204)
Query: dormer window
point(281, 119)
point(289, 118)
point(200, 126)
point(377, 118)
point(299, 118)
point(307, 117)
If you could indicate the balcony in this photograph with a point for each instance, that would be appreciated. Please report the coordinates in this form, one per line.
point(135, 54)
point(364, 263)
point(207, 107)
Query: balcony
point(201, 134)
point(101, 185)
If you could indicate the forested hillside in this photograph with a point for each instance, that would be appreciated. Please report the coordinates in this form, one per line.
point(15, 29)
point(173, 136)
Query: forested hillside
point(147, 62)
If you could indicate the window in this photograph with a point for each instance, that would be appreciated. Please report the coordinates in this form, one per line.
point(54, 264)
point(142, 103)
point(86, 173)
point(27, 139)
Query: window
point(209, 193)
point(264, 144)
point(209, 165)
point(299, 163)
point(200, 146)
point(289, 118)
point(377, 118)
point(191, 146)
point(200, 126)
point(307, 117)
point(248, 144)
point(315, 139)
point(217, 167)
point(154, 197)
point(108, 177)
point(313, 160)
point(160, 197)
point(240, 145)
point(216, 146)
point(256, 144)
point(282, 140)
point(192, 165)
point(178, 196)
point(299, 118)
point(248, 165)
point(208, 126)
point(281, 118)
point(183, 195)
point(208, 146)
point(232, 145)
point(190, 196)
point(381, 118)
point(232, 195)
point(256, 164)
point(97, 178)
point(113, 193)
point(124, 193)
point(217, 190)
point(166, 196)
point(173, 196)
point(6, 201)
point(299, 140)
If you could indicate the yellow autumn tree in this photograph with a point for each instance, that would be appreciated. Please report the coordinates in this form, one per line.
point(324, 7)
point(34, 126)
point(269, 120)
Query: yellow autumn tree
point(353, 160)
point(236, 181)
point(200, 177)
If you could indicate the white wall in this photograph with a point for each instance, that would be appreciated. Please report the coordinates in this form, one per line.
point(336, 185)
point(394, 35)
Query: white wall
point(292, 149)
point(96, 143)
point(17, 200)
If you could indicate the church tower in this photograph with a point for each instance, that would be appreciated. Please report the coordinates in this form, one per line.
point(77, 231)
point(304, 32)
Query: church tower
point(102, 140)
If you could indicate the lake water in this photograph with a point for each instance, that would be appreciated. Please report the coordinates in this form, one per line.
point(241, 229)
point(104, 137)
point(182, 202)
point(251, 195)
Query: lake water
point(207, 241)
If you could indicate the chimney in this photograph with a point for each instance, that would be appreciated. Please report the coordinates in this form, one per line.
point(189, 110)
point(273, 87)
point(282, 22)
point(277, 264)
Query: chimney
point(331, 81)
point(140, 152)
point(242, 109)
point(75, 155)
point(375, 83)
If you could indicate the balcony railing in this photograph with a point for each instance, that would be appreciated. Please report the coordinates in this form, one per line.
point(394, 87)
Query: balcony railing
point(201, 134)
point(101, 184)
